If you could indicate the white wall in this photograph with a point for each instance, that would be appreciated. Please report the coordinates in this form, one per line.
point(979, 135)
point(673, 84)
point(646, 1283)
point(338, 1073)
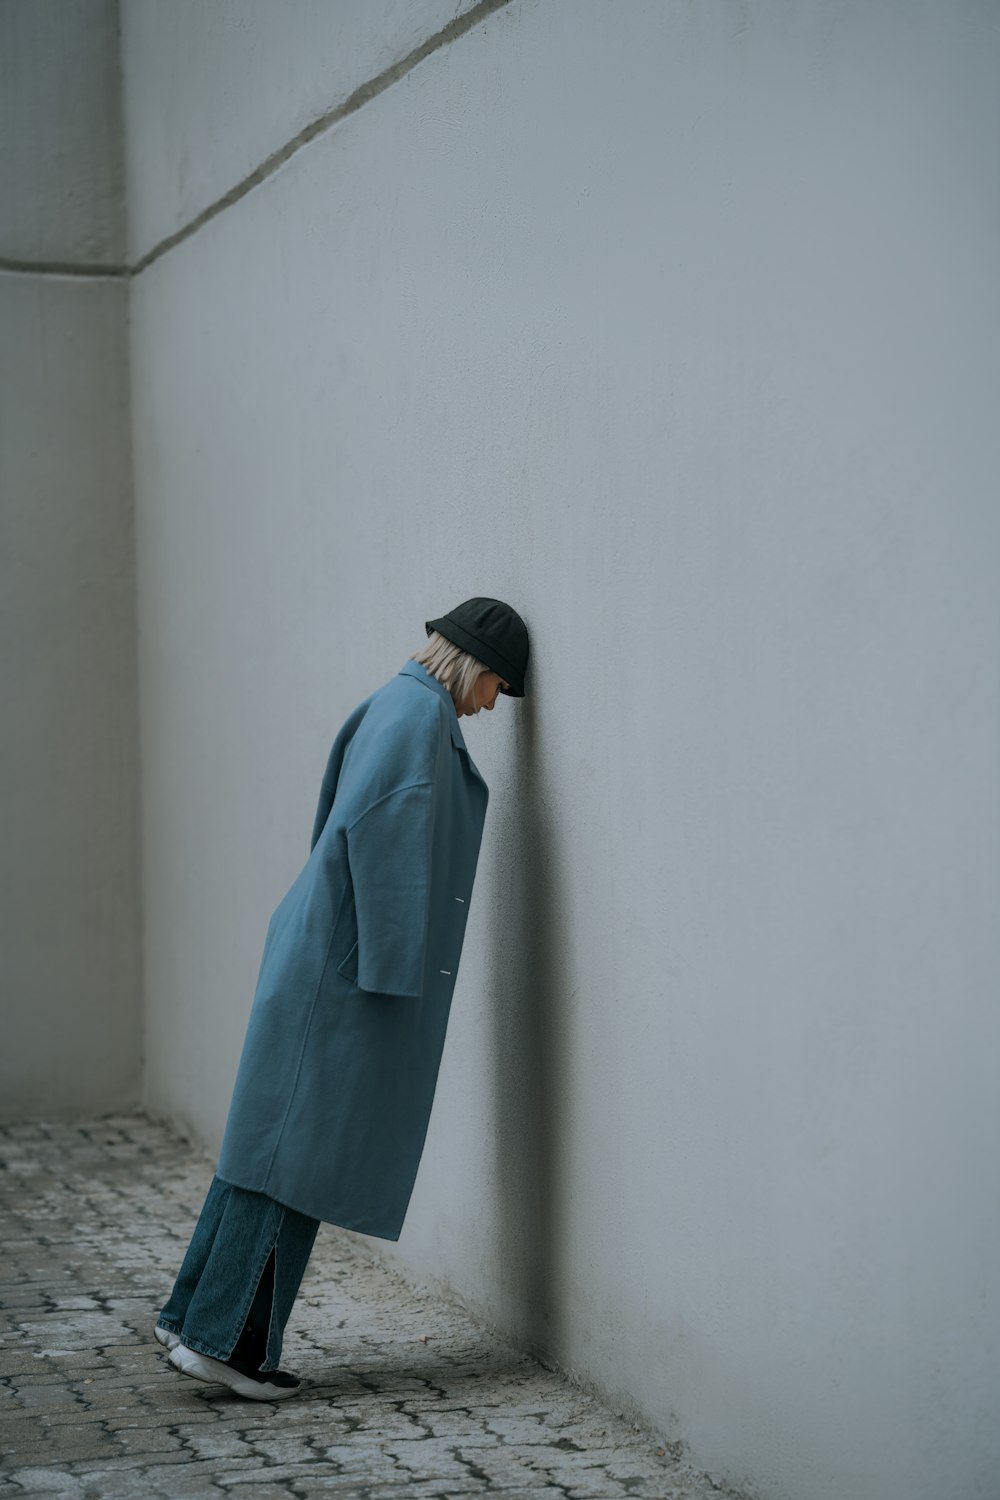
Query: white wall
point(69, 857)
point(677, 326)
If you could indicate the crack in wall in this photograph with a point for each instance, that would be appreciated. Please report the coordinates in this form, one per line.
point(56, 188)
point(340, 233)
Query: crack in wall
point(272, 163)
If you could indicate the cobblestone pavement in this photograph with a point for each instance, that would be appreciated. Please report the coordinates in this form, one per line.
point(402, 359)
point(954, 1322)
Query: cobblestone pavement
point(403, 1396)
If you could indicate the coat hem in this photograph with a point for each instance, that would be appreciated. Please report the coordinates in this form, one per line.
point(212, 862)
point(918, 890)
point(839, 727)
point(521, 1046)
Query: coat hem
point(251, 1187)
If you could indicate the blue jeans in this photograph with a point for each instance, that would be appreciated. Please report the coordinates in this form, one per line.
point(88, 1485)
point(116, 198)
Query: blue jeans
point(240, 1275)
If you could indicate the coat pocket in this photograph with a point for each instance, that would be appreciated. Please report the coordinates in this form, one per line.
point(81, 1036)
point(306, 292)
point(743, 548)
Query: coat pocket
point(348, 966)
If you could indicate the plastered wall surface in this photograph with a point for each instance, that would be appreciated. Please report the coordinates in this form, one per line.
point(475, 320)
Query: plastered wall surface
point(200, 121)
point(677, 326)
point(61, 157)
point(68, 753)
point(69, 854)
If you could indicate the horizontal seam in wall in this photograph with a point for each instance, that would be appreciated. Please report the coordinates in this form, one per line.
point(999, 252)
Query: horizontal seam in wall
point(62, 268)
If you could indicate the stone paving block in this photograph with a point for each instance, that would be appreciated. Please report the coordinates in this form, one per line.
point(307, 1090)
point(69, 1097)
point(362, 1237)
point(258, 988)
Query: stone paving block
point(38, 1374)
point(21, 1432)
point(45, 1397)
point(179, 1482)
point(595, 1486)
point(451, 1463)
point(150, 1440)
point(42, 1481)
point(363, 1459)
point(403, 1398)
point(83, 1413)
point(289, 1479)
point(263, 1489)
point(119, 1484)
point(434, 1489)
point(287, 1448)
point(219, 1443)
point(136, 1463)
point(74, 1362)
point(76, 1443)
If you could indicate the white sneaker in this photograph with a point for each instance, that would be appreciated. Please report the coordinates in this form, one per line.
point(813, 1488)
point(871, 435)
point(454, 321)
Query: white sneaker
point(267, 1385)
point(165, 1337)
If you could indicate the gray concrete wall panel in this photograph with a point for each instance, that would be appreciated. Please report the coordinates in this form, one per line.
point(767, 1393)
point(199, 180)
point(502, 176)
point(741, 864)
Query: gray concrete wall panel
point(61, 160)
point(68, 753)
point(678, 326)
point(201, 118)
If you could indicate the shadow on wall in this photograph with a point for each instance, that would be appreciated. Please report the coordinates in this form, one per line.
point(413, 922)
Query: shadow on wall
point(528, 1047)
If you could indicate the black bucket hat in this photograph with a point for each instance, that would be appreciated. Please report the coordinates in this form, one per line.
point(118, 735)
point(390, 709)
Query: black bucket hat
point(493, 633)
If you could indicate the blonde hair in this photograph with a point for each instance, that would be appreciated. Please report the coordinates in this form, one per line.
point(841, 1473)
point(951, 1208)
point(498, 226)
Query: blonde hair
point(455, 669)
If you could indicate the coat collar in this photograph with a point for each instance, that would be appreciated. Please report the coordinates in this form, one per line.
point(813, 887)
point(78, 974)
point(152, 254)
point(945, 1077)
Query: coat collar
point(415, 669)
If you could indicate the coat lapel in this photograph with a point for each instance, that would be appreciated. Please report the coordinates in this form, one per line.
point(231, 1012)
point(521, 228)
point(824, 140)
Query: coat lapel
point(415, 669)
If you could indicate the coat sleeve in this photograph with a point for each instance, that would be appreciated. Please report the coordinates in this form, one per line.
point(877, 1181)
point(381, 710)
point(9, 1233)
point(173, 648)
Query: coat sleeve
point(331, 775)
point(389, 854)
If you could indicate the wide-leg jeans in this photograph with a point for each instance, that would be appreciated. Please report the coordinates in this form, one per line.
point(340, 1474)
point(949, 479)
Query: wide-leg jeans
point(240, 1276)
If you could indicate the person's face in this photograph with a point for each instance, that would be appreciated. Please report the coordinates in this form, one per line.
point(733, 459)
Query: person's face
point(484, 694)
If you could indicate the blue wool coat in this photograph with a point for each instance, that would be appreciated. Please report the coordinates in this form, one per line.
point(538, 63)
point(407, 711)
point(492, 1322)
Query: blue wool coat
point(339, 1066)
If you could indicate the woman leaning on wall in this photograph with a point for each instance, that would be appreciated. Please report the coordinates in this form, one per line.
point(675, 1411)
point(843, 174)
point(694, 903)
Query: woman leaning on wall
point(340, 1061)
